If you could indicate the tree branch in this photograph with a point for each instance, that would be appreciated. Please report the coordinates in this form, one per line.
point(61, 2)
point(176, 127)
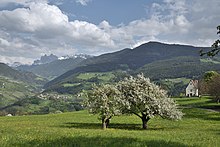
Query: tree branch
point(137, 114)
point(215, 47)
point(162, 116)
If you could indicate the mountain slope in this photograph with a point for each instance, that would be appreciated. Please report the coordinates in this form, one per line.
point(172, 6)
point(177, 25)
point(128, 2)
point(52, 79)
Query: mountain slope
point(54, 68)
point(12, 91)
point(129, 59)
point(145, 53)
point(184, 66)
point(19, 94)
point(27, 77)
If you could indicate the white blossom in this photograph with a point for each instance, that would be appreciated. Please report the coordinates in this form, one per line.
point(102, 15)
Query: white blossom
point(140, 96)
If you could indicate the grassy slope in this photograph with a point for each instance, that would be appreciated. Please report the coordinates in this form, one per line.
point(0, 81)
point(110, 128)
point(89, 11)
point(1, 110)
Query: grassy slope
point(13, 91)
point(43, 104)
point(130, 59)
point(104, 76)
point(185, 66)
point(177, 80)
point(199, 127)
point(179, 68)
point(26, 77)
point(82, 81)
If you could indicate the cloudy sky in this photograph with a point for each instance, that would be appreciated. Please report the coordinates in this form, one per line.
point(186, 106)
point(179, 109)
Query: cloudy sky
point(31, 28)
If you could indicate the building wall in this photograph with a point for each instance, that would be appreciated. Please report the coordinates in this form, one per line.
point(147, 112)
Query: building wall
point(191, 90)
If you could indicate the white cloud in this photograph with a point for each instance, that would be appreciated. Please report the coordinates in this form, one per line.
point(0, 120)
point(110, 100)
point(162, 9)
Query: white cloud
point(145, 30)
point(42, 28)
point(45, 26)
point(4, 3)
point(178, 21)
point(12, 59)
point(83, 2)
point(35, 18)
point(4, 42)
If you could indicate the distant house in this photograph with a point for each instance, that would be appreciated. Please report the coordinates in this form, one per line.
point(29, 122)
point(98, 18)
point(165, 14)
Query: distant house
point(9, 114)
point(192, 88)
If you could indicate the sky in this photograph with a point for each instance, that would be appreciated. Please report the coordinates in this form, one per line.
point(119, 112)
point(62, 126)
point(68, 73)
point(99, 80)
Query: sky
point(32, 28)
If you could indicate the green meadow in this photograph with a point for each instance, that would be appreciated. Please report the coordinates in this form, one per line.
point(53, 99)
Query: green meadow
point(200, 126)
point(105, 76)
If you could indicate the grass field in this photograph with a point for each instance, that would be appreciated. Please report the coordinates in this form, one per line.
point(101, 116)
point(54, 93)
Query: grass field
point(199, 127)
point(210, 61)
point(105, 76)
point(177, 80)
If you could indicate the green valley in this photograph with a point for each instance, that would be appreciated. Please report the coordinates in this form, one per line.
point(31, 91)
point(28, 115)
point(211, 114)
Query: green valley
point(169, 65)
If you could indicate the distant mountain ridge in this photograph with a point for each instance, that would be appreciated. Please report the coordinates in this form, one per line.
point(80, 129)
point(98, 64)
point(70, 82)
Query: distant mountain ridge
point(84, 56)
point(15, 64)
point(130, 59)
point(55, 67)
point(45, 59)
point(143, 54)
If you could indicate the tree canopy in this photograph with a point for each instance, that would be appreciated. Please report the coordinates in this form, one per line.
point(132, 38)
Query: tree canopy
point(214, 88)
point(209, 75)
point(133, 95)
point(102, 100)
point(215, 47)
point(145, 99)
point(210, 84)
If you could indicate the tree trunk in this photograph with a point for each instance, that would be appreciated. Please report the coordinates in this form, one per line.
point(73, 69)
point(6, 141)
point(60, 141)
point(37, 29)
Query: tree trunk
point(107, 121)
point(218, 99)
point(103, 124)
point(144, 122)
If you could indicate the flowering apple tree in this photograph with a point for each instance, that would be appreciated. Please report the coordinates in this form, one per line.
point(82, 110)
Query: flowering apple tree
point(102, 100)
point(145, 99)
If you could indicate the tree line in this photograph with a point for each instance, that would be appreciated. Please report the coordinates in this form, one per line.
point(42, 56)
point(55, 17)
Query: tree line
point(210, 84)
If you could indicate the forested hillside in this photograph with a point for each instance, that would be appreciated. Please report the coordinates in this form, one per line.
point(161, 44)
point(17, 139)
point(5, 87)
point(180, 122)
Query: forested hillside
point(156, 60)
point(27, 77)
